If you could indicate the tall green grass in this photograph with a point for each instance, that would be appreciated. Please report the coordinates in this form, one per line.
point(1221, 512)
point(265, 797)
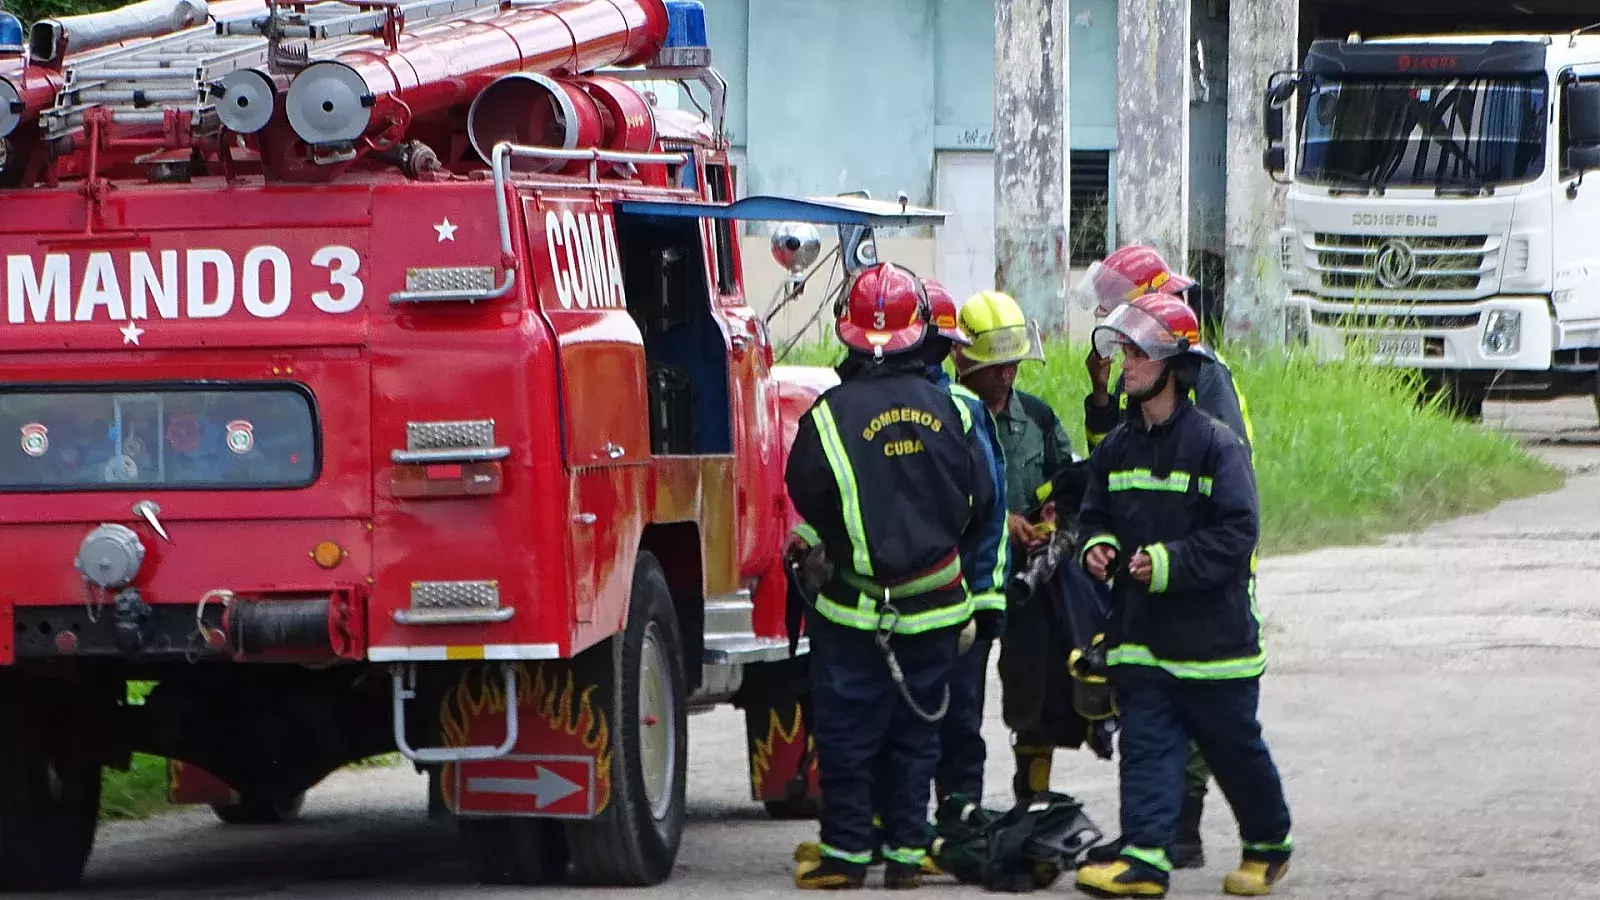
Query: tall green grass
point(1344, 451)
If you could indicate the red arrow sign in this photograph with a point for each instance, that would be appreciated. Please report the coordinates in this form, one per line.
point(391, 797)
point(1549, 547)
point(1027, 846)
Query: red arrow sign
point(553, 786)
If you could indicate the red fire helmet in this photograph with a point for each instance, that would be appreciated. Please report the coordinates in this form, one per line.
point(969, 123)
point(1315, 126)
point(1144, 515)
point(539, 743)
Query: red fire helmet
point(1132, 271)
point(1159, 325)
point(887, 311)
point(944, 312)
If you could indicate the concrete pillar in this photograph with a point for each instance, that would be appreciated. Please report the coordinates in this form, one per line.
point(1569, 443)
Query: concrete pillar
point(1031, 156)
point(1263, 39)
point(1153, 51)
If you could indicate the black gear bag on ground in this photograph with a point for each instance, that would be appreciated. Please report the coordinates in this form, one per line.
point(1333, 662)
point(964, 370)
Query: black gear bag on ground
point(1019, 851)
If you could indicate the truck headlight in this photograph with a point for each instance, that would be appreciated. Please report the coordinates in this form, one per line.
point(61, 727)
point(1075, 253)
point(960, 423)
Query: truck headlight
point(1296, 326)
point(1502, 333)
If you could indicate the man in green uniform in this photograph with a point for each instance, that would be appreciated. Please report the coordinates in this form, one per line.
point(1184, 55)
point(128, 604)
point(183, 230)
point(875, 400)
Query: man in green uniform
point(1034, 641)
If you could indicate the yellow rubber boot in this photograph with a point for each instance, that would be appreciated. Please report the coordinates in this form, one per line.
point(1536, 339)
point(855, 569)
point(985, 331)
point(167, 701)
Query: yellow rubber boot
point(1255, 877)
point(829, 874)
point(1033, 771)
point(1121, 878)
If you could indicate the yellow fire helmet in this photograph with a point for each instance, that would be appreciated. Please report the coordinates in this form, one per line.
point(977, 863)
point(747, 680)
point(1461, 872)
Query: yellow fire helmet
point(1000, 333)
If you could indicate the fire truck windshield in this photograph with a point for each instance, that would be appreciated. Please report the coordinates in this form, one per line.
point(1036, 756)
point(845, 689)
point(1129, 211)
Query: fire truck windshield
point(1446, 133)
point(122, 437)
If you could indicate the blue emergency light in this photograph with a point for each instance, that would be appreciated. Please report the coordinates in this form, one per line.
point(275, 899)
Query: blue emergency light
point(686, 43)
point(11, 34)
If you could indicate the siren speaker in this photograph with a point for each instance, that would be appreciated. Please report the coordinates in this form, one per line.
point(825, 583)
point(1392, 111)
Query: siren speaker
point(532, 110)
point(329, 103)
point(245, 99)
point(10, 107)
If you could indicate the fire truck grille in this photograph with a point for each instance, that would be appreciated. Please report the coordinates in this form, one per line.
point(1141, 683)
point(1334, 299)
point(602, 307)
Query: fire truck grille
point(454, 595)
point(449, 435)
point(451, 278)
point(1411, 267)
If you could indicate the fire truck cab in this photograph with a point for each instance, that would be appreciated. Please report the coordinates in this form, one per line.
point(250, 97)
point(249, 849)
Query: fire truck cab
point(391, 385)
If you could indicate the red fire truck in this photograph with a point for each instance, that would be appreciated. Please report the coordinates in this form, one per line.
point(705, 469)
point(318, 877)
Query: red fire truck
point(379, 375)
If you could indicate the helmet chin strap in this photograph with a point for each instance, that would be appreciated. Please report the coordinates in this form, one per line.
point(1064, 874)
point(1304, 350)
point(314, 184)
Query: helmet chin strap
point(1155, 388)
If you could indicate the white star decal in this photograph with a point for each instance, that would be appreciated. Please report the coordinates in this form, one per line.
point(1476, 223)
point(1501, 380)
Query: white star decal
point(131, 332)
point(447, 232)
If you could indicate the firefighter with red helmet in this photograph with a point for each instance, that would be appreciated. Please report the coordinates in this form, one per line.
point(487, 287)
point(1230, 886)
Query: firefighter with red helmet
point(962, 750)
point(1134, 271)
point(889, 474)
point(1172, 521)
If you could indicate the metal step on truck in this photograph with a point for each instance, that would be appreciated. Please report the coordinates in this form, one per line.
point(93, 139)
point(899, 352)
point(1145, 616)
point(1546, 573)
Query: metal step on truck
point(379, 376)
point(1438, 215)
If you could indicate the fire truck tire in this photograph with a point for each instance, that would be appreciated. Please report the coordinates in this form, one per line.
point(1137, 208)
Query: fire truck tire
point(260, 810)
point(635, 841)
point(516, 851)
point(49, 809)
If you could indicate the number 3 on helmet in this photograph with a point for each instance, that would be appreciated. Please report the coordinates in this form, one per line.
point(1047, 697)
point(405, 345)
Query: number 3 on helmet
point(885, 312)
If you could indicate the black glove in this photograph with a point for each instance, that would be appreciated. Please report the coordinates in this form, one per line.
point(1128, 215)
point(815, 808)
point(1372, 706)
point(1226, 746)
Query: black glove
point(990, 622)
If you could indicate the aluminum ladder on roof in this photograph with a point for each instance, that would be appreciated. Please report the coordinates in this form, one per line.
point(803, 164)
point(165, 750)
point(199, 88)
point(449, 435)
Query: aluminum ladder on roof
point(180, 71)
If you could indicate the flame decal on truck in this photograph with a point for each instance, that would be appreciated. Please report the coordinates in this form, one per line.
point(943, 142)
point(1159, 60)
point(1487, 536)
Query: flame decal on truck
point(548, 695)
point(761, 750)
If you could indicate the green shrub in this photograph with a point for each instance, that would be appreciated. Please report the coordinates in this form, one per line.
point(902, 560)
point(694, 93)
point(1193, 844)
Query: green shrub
point(1344, 450)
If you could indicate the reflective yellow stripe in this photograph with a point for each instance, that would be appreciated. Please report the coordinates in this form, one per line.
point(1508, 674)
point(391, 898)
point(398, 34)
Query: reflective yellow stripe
point(1244, 408)
point(905, 855)
point(1156, 858)
point(862, 859)
point(1096, 541)
point(864, 615)
point(849, 494)
point(1159, 570)
point(1210, 670)
point(966, 417)
point(1144, 480)
point(1095, 437)
point(922, 584)
point(463, 653)
point(1282, 846)
point(989, 601)
point(806, 533)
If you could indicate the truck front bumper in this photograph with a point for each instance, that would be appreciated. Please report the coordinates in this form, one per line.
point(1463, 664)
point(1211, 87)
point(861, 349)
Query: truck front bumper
point(1498, 334)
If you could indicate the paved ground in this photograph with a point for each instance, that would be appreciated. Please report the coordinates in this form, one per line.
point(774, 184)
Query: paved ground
point(1431, 703)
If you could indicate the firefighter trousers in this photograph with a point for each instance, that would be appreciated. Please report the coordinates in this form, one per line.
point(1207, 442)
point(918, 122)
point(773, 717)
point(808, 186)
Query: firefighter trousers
point(865, 732)
point(961, 748)
point(1160, 715)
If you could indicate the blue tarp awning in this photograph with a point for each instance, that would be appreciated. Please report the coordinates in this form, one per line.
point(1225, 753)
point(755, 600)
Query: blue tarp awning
point(815, 210)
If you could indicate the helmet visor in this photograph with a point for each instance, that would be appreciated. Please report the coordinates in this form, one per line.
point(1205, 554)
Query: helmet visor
point(1131, 326)
point(1103, 289)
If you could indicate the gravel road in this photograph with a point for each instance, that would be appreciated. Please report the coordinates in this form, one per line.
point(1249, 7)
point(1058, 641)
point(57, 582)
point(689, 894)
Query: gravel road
point(1431, 702)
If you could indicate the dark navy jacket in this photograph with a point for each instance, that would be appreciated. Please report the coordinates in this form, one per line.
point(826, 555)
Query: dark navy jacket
point(1185, 493)
point(890, 475)
point(985, 562)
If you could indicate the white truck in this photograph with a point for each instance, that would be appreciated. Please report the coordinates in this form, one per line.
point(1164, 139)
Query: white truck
point(1438, 214)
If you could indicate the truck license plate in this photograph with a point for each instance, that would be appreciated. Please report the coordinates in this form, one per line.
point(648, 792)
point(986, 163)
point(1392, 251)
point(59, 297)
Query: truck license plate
point(1398, 346)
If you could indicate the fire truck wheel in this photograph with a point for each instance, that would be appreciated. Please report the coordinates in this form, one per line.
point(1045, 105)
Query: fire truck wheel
point(260, 810)
point(49, 807)
point(635, 841)
point(516, 851)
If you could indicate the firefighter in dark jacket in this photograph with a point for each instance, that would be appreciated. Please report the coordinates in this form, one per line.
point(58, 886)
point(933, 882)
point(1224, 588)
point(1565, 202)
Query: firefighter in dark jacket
point(1172, 521)
point(983, 563)
point(1131, 272)
point(890, 477)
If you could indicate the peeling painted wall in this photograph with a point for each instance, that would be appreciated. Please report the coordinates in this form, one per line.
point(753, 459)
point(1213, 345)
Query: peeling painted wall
point(1031, 124)
point(1263, 41)
point(1153, 126)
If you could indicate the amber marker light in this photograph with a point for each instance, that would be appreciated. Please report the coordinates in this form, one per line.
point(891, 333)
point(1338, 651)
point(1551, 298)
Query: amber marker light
point(327, 554)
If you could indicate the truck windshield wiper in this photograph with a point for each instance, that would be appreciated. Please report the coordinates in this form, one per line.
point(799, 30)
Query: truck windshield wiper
point(1470, 189)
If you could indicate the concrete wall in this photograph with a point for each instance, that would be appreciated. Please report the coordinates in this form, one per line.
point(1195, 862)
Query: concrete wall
point(1264, 40)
